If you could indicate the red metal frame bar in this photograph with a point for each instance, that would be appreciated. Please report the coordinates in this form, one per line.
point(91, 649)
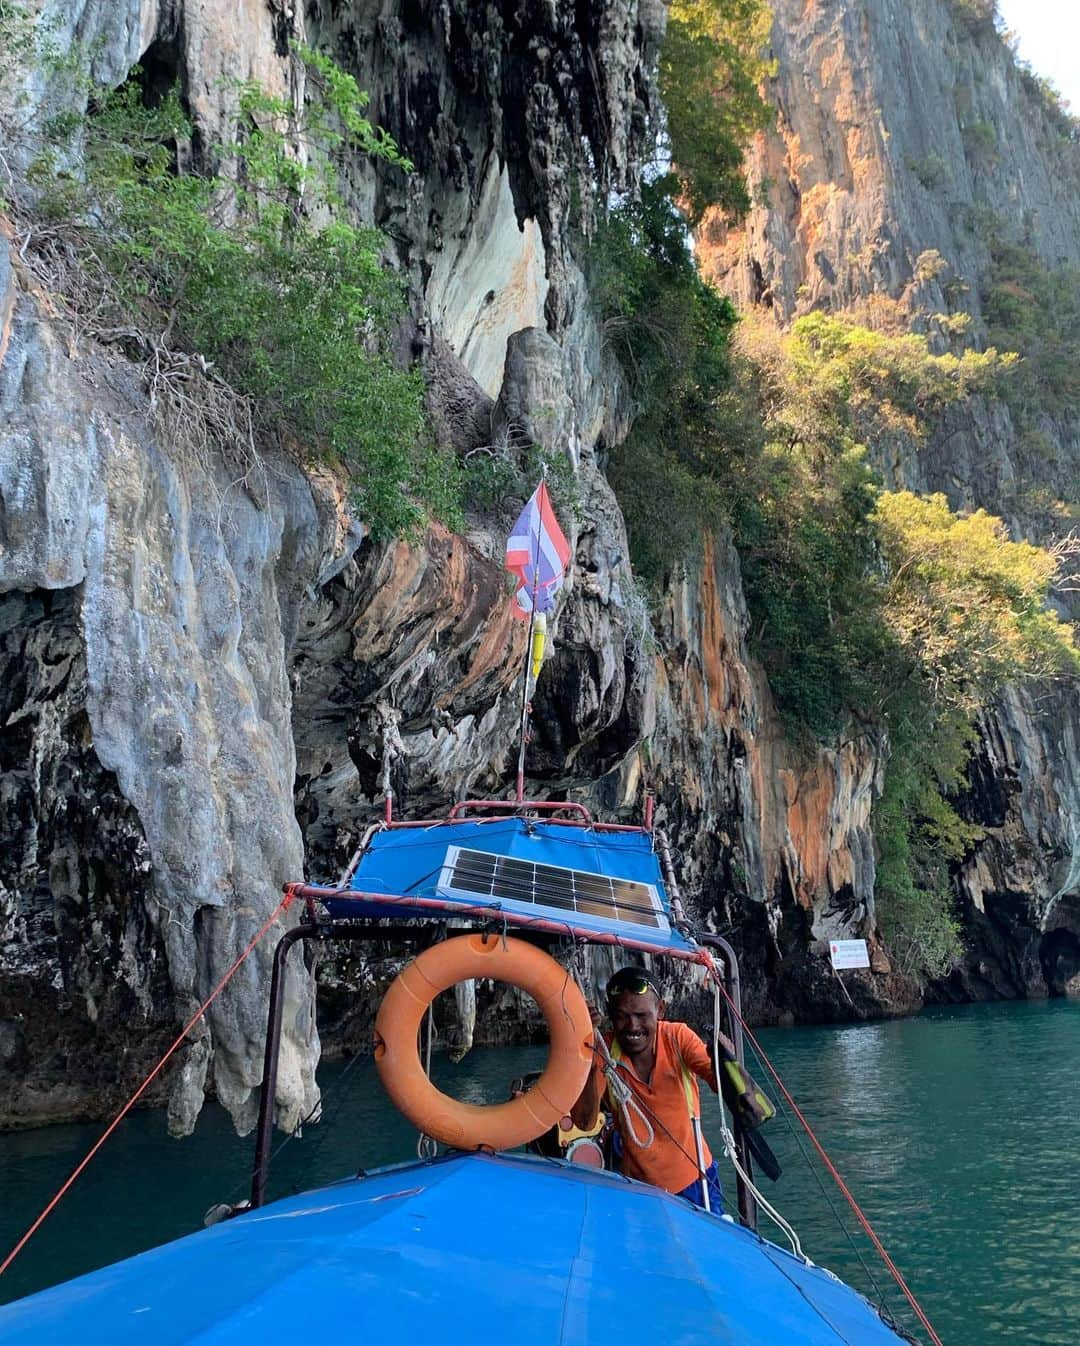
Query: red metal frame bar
point(507, 808)
point(514, 808)
point(314, 893)
point(591, 825)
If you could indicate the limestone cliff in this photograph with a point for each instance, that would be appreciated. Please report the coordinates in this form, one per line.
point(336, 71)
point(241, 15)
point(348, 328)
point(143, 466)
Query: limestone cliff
point(909, 146)
point(169, 619)
point(204, 662)
point(898, 127)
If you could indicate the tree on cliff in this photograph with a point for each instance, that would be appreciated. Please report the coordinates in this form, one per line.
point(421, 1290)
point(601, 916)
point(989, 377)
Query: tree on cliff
point(711, 70)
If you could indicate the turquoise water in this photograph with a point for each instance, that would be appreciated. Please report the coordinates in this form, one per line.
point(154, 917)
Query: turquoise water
point(958, 1131)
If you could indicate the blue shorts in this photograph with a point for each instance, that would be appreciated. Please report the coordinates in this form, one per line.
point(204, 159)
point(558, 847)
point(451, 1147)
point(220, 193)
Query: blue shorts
point(716, 1192)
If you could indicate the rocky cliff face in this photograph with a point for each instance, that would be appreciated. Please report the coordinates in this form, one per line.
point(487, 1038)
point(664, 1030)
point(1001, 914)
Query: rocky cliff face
point(169, 620)
point(899, 128)
point(908, 144)
point(184, 641)
point(148, 606)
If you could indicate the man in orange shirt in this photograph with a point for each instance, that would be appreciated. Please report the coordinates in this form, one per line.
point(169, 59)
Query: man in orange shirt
point(661, 1063)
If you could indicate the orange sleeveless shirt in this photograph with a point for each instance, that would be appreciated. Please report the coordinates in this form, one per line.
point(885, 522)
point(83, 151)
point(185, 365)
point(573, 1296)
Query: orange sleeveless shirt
point(670, 1161)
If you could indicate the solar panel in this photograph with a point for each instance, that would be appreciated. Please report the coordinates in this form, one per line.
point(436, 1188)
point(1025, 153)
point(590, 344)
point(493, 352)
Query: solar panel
point(526, 883)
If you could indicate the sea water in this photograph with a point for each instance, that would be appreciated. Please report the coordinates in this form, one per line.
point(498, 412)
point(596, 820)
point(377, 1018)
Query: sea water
point(958, 1132)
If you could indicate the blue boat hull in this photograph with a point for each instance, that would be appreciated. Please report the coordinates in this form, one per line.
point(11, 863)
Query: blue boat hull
point(462, 1251)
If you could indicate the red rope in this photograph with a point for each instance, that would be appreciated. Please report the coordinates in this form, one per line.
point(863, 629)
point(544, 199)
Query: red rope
point(290, 893)
point(894, 1270)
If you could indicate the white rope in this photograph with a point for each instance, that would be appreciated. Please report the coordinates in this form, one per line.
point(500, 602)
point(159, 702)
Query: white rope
point(729, 1143)
point(623, 1098)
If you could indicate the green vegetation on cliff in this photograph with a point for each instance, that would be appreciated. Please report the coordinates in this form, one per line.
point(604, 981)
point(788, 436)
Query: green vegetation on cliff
point(873, 612)
point(669, 329)
point(1035, 310)
point(670, 332)
point(966, 609)
point(711, 67)
point(260, 310)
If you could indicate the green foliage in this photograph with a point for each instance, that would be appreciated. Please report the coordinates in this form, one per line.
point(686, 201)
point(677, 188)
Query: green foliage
point(667, 507)
point(980, 138)
point(20, 49)
point(1045, 93)
point(711, 66)
point(881, 382)
point(17, 38)
point(776, 453)
point(908, 615)
point(918, 831)
point(659, 316)
point(929, 265)
point(980, 220)
point(251, 269)
point(669, 330)
point(931, 170)
point(666, 326)
point(966, 609)
point(965, 604)
point(955, 325)
point(492, 476)
point(804, 517)
point(976, 15)
point(1035, 310)
point(805, 547)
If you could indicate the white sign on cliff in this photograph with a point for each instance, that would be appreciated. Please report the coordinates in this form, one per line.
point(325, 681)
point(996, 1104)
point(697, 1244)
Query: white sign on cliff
point(849, 953)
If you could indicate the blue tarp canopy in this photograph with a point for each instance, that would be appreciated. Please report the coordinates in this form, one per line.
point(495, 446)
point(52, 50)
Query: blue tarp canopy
point(470, 1250)
point(591, 881)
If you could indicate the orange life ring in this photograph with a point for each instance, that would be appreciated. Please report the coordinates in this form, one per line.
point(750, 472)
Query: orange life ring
point(499, 1126)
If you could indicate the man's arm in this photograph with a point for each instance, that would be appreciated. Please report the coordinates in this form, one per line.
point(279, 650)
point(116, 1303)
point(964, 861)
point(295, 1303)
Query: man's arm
point(697, 1056)
point(741, 1093)
point(584, 1112)
point(727, 1050)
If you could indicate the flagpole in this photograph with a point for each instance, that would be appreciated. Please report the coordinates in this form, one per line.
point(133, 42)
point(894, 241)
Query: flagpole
point(535, 530)
point(520, 792)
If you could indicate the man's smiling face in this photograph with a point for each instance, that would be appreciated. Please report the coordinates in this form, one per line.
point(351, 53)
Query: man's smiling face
point(634, 1019)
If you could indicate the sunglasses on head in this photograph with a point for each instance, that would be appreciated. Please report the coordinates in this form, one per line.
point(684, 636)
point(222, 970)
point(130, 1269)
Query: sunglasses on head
point(634, 983)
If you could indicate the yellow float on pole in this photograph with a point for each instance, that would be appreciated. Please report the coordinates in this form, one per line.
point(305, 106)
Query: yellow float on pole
point(539, 640)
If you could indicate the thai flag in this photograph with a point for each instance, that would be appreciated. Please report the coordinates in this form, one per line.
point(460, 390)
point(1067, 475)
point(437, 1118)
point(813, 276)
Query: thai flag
point(537, 553)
